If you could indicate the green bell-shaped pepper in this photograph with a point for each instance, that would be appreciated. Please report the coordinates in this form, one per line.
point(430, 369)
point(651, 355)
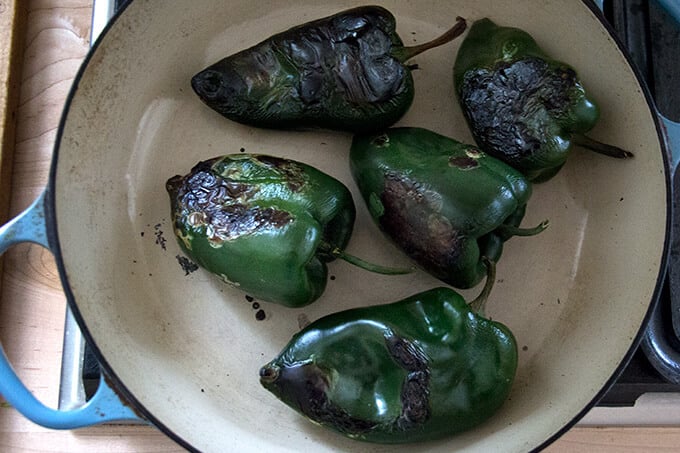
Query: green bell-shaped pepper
point(264, 224)
point(423, 368)
point(344, 72)
point(444, 203)
point(522, 106)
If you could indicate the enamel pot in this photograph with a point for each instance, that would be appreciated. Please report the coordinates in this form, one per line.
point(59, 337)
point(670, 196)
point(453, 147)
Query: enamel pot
point(183, 350)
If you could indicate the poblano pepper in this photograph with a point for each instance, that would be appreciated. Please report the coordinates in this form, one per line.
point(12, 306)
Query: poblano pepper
point(521, 105)
point(264, 224)
point(344, 72)
point(423, 368)
point(446, 204)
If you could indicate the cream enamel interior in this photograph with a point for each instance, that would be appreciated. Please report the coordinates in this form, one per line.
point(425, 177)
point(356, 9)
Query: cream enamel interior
point(189, 347)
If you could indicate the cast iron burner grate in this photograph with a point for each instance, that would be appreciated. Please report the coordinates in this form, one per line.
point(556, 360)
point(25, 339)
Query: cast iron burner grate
point(653, 42)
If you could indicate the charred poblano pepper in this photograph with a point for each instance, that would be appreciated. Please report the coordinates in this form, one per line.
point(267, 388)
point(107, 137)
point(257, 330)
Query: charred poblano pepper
point(423, 368)
point(522, 106)
point(344, 72)
point(444, 203)
point(264, 224)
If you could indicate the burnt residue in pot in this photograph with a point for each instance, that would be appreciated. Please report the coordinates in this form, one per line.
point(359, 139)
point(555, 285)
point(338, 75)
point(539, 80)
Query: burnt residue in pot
point(186, 264)
point(260, 314)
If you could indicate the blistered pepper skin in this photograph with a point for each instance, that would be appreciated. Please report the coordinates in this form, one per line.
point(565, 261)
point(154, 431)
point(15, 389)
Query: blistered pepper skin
point(420, 369)
point(444, 203)
point(264, 224)
point(343, 72)
point(522, 106)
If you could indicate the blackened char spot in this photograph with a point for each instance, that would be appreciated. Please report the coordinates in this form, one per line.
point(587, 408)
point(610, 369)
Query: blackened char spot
point(412, 219)
point(407, 355)
point(415, 391)
point(307, 385)
point(203, 200)
point(463, 162)
point(507, 105)
point(229, 222)
point(311, 85)
point(415, 400)
point(347, 55)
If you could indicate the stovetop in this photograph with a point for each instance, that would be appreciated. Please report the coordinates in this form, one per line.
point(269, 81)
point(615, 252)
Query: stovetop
point(653, 42)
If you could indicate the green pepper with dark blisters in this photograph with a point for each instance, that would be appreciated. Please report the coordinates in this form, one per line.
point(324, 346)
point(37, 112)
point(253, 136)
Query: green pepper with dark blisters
point(522, 106)
point(419, 369)
point(344, 72)
point(264, 224)
point(444, 203)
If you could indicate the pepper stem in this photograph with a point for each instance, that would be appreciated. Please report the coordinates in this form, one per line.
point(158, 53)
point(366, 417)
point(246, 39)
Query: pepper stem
point(601, 148)
point(510, 230)
point(356, 261)
point(406, 53)
point(478, 304)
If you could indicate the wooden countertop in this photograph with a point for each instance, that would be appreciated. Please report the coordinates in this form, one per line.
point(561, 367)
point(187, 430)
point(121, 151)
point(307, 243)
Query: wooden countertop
point(54, 41)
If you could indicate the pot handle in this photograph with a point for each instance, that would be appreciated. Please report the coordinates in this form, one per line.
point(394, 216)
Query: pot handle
point(105, 405)
point(671, 129)
point(671, 132)
point(672, 7)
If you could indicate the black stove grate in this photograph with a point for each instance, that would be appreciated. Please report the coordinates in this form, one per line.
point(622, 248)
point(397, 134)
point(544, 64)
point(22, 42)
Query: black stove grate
point(653, 43)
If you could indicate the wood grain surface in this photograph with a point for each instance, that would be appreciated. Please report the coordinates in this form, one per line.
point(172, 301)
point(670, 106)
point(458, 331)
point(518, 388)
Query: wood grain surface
point(32, 303)
point(12, 21)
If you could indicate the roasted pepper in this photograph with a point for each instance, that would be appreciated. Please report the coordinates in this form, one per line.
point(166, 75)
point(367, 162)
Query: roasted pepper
point(264, 224)
point(419, 369)
point(522, 106)
point(344, 72)
point(444, 203)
